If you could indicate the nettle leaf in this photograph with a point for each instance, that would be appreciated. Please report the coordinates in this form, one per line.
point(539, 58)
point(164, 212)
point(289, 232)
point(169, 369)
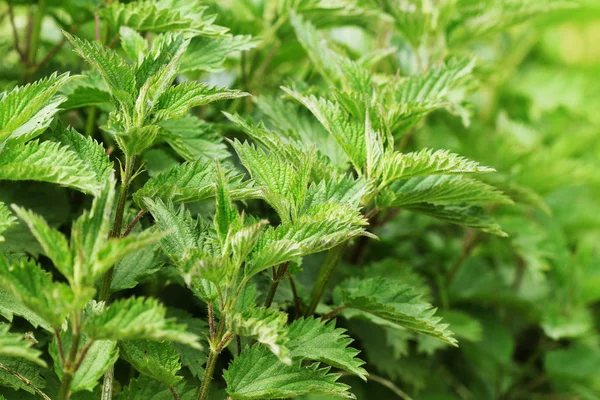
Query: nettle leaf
point(347, 131)
point(158, 360)
point(259, 374)
point(145, 388)
point(134, 267)
point(144, 16)
point(472, 217)
point(313, 339)
point(133, 44)
point(117, 73)
point(10, 306)
point(192, 181)
point(265, 326)
point(135, 140)
point(393, 302)
point(193, 138)
point(137, 318)
point(54, 243)
point(101, 355)
point(33, 373)
point(427, 162)
point(445, 189)
point(26, 111)
point(16, 345)
point(34, 287)
point(209, 53)
point(88, 150)
point(416, 96)
point(178, 100)
point(47, 162)
point(7, 219)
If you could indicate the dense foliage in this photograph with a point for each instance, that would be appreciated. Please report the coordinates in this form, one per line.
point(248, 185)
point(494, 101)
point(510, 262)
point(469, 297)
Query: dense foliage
point(299, 198)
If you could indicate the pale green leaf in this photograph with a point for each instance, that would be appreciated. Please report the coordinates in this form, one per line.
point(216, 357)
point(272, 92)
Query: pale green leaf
point(6, 219)
point(136, 318)
point(258, 374)
point(265, 326)
point(395, 303)
point(16, 345)
point(193, 138)
point(209, 53)
point(158, 360)
point(313, 339)
point(47, 162)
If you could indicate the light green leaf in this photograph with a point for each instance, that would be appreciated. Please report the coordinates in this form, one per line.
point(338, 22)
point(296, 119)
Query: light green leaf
point(11, 305)
point(47, 162)
point(391, 301)
point(265, 326)
point(133, 44)
point(136, 318)
point(193, 138)
point(135, 140)
point(99, 358)
point(26, 111)
point(53, 242)
point(313, 339)
point(30, 371)
point(144, 16)
point(427, 162)
point(258, 374)
point(16, 345)
point(178, 100)
point(135, 266)
point(208, 53)
point(34, 287)
point(158, 360)
point(6, 219)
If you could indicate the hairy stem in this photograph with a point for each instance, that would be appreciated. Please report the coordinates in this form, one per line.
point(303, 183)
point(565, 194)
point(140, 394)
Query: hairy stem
point(212, 361)
point(25, 381)
point(173, 392)
point(333, 313)
point(118, 223)
point(134, 223)
point(332, 260)
point(277, 275)
point(70, 365)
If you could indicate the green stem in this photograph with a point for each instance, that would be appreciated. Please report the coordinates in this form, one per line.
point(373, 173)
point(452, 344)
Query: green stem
point(332, 260)
point(212, 361)
point(70, 365)
point(90, 122)
point(118, 223)
point(281, 270)
point(36, 31)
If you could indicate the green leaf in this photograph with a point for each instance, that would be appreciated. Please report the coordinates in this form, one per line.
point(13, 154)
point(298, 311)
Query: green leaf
point(116, 72)
point(134, 267)
point(227, 218)
point(258, 374)
point(191, 181)
point(16, 345)
point(158, 360)
point(178, 100)
point(347, 131)
point(11, 305)
point(313, 339)
point(89, 151)
point(445, 189)
point(193, 138)
point(265, 326)
point(135, 140)
point(53, 242)
point(427, 162)
point(209, 53)
point(136, 318)
point(34, 287)
point(26, 111)
point(101, 355)
point(6, 219)
point(47, 162)
point(393, 302)
point(144, 16)
point(133, 44)
point(30, 371)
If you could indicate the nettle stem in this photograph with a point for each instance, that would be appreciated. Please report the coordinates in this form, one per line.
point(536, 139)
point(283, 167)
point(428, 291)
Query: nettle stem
point(332, 260)
point(70, 366)
point(118, 223)
point(215, 349)
point(279, 273)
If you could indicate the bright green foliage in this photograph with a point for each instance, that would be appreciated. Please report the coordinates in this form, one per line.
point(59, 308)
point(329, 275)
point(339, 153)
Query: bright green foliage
point(312, 339)
point(136, 318)
point(231, 198)
point(258, 374)
point(15, 345)
point(395, 303)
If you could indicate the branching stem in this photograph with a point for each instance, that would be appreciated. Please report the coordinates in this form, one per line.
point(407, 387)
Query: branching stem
point(332, 260)
point(278, 274)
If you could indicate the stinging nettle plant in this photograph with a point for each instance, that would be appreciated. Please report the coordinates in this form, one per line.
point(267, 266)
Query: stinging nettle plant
point(294, 199)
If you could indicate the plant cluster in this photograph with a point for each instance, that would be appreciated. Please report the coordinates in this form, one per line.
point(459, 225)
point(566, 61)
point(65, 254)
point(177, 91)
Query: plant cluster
point(299, 199)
